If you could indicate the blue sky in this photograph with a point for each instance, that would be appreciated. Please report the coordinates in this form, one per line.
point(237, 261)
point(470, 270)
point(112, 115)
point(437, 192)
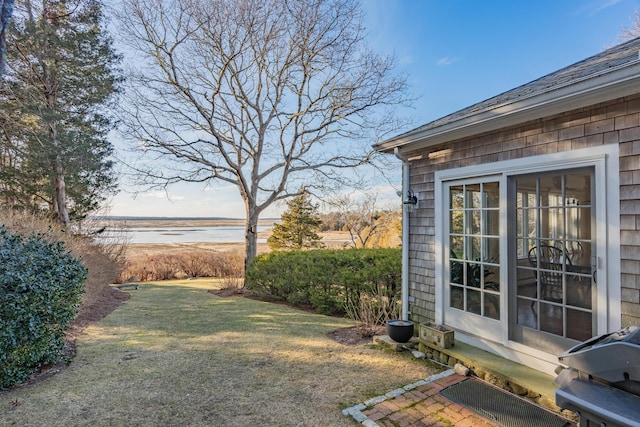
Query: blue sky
point(455, 53)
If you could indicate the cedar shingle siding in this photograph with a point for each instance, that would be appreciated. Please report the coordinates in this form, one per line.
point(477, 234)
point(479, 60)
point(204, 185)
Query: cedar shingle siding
point(615, 122)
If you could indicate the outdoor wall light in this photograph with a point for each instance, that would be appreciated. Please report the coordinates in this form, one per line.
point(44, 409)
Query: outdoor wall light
point(411, 202)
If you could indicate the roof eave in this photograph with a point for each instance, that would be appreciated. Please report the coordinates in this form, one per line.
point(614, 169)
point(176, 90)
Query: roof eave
point(605, 87)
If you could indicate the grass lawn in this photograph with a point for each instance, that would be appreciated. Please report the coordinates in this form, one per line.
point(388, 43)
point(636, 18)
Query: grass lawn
point(175, 355)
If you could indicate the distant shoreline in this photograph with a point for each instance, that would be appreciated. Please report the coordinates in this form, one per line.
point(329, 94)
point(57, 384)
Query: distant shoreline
point(334, 240)
point(145, 221)
point(169, 218)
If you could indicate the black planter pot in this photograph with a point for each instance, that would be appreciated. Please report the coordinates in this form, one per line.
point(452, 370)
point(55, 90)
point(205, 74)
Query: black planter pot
point(400, 330)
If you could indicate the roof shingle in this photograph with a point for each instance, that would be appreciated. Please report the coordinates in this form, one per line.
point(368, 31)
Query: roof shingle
point(602, 63)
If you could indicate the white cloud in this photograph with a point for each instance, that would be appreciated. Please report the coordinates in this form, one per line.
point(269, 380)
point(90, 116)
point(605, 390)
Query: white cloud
point(162, 195)
point(406, 60)
point(594, 7)
point(447, 60)
point(229, 187)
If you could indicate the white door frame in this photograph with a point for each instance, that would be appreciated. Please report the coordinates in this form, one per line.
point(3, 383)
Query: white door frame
point(605, 160)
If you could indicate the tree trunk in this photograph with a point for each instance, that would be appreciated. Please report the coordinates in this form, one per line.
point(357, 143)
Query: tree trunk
point(251, 239)
point(59, 192)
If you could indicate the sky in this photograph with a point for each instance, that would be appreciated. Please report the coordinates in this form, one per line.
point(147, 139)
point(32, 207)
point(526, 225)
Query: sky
point(455, 53)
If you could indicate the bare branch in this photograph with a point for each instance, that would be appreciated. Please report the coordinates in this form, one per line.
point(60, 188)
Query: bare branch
point(631, 31)
point(264, 95)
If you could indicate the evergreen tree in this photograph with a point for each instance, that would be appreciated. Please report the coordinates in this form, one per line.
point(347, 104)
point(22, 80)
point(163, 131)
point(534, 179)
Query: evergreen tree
point(60, 79)
point(299, 225)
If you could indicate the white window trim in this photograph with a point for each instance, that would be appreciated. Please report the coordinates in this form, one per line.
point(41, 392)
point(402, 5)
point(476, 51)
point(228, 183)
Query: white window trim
point(605, 160)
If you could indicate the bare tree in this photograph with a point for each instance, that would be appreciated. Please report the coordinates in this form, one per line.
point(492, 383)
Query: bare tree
point(268, 95)
point(365, 221)
point(631, 31)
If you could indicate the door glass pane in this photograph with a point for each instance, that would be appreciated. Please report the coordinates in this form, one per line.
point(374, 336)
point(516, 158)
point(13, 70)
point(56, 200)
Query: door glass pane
point(584, 233)
point(527, 313)
point(474, 223)
point(456, 197)
point(492, 220)
point(551, 190)
point(526, 282)
point(551, 318)
point(474, 274)
point(491, 252)
point(584, 257)
point(473, 301)
point(456, 219)
point(555, 224)
point(531, 222)
point(456, 272)
point(457, 297)
point(492, 305)
point(474, 197)
point(456, 247)
point(492, 194)
point(492, 278)
point(579, 325)
point(579, 291)
point(527, 187)
point(474, 243)
point(578, 187)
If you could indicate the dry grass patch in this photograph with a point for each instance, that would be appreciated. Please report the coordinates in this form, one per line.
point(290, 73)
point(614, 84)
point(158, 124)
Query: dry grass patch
point(176, 355)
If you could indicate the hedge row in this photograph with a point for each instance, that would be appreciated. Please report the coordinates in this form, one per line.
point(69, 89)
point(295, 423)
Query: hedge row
point(41, 286)
point(328, 280)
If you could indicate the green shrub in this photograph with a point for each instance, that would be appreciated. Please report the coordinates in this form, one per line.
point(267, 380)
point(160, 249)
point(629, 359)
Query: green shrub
point(40, 290)
point(328, 280)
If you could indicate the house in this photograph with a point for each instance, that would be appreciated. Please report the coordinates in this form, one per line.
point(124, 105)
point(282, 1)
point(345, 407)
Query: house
point(524, 234)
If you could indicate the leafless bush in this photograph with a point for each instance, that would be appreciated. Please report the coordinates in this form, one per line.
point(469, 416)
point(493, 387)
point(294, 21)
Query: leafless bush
point(372, 310)
point(166, 267)
point(196, 263)
point(233, 284)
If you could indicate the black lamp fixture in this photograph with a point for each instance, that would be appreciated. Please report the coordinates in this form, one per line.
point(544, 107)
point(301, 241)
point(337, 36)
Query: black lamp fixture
point(411, 202)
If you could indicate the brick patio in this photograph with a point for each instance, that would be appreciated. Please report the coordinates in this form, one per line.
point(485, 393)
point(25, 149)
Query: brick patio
point(418, 405)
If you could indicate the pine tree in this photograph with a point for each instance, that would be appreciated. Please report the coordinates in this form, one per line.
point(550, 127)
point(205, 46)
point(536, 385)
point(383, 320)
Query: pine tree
point(60, 78)
point(299, 225)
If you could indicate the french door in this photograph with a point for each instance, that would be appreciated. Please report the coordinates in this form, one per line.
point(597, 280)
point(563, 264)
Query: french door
point(550, 232)
point(552, 276)
point(525, 257)
point(474, 259)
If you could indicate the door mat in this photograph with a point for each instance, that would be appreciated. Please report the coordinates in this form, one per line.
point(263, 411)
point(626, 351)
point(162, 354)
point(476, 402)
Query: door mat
point(500, 407)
